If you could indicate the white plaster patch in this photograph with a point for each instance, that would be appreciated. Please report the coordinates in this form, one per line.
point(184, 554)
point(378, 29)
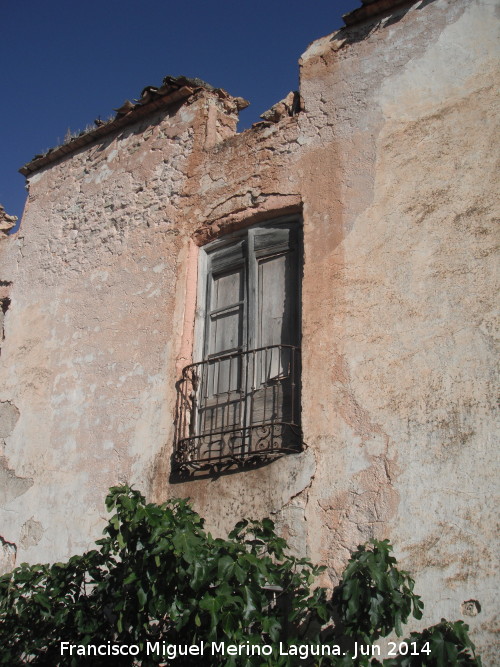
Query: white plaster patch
point(146, 288)
point(69, 445)
point(356, 464)
point(99, 275)
point(137, 370)
point(159, 268)
point(101, 175)
point(185, 115)
point(375, 446)
point(447, 70)
point(34, 178)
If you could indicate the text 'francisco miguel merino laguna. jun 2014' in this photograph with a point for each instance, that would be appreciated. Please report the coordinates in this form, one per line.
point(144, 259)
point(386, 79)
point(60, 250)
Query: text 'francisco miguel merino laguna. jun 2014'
point(174, 651)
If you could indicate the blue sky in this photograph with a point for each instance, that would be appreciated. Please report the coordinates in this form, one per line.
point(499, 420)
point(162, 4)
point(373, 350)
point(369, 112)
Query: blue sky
point(64, 63)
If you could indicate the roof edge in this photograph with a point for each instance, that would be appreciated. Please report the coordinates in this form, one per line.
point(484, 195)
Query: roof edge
point(372, 8)
point(129, 118)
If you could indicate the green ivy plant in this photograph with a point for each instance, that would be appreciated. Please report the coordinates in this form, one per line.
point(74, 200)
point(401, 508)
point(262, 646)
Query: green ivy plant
point(158, 576)
point(448, 644)
point(374, 597)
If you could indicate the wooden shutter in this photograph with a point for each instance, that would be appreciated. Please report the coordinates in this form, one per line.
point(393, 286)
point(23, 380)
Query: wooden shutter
point(251, 324)
point(221, 378)
point(275, 305)
point(275, 295)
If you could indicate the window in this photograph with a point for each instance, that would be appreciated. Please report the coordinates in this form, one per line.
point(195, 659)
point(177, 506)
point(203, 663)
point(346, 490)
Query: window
point(240, 403)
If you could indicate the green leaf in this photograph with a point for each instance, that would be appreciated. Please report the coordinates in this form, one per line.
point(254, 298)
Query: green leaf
point(142, 597)
point(199, 574)
point(130, 579)
point(186, 544)
point(42, 600)
point(239, 572)
point(225, 568)
point(250, 605)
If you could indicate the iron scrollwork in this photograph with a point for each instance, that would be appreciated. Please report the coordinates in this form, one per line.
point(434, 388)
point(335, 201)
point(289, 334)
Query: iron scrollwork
point(255, 421)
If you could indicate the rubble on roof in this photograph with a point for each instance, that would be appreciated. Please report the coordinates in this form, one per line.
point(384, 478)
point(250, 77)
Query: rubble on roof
point(289, 106)
point(171, 84)
point(6, 221)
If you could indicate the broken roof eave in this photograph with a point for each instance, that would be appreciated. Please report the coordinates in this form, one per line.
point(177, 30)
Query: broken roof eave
point(89, 137)
point(371, 9)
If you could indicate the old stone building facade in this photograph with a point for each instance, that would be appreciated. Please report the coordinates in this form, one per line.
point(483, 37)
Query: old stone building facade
point(348, 238)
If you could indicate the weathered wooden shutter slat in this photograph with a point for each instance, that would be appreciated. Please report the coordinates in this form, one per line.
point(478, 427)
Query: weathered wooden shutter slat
point(273, 239)
point(228, 257)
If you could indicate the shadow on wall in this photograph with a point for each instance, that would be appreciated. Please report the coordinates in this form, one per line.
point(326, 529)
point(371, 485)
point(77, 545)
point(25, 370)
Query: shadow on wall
point(372, 15)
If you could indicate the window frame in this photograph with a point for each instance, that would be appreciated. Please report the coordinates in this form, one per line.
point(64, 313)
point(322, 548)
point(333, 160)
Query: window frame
point(203, 287)
point(265, 398)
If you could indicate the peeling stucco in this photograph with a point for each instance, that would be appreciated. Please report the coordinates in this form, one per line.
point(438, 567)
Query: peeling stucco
point(11, 485)
point(387, 158)
point(31, 533)
point(9, 415)
point(7, 556)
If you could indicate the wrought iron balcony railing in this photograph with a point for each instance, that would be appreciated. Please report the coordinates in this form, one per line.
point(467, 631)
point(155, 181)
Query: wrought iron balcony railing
point(238, 408)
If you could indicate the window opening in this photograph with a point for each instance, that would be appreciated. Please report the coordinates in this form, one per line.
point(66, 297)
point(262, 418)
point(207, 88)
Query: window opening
point(240, 404)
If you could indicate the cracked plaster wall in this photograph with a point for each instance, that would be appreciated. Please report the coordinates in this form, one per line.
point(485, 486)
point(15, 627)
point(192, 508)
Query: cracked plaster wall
point(398, 308)
point(411, 113)
point(88, 354)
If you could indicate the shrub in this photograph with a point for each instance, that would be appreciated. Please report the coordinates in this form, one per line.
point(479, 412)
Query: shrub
point(374, 597)
point(158, 576)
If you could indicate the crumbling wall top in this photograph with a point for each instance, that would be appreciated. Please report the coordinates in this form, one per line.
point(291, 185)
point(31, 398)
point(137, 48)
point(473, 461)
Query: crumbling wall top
point(372, 8)
point(174, 90)
point(6, 222)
